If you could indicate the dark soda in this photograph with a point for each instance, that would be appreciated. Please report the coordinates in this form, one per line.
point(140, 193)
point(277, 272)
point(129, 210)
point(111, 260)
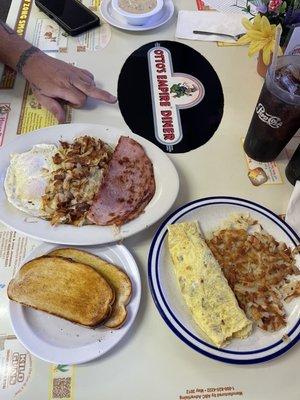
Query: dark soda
point(277, 114)
point(292, 170)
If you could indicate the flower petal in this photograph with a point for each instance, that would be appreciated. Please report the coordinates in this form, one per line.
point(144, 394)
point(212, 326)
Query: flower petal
point(244, 39)
point(255, 35)
point(256, 22)
point(255, 47)
point(247, 24)
point(265, 26)
point(270, 46)
point(266, 55)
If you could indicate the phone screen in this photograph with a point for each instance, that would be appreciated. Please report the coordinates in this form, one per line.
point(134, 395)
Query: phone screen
point(69, 11)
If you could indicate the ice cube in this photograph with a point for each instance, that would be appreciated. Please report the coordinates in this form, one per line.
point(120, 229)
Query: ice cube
point(288, 78)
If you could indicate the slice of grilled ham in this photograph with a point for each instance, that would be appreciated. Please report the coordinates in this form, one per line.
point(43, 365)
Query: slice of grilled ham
point(127, 188)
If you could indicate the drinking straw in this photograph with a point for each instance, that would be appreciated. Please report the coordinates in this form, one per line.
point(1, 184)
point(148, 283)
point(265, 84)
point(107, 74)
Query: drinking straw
point(275, 52)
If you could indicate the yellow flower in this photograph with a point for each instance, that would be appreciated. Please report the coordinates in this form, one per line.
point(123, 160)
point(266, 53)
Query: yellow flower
point(260, 35)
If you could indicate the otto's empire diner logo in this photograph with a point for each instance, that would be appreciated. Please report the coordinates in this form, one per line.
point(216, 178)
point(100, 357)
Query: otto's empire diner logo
point(271, 120)
point(170, 92)
point(18, 366)
point(15, 365)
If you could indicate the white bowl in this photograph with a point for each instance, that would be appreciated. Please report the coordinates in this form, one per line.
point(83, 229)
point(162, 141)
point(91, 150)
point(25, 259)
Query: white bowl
point(138, 19)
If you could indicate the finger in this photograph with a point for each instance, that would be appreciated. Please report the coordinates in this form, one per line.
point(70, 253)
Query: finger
point(87, 79)
point(87, 73)
point(53, 106)
point(72, 95)
point(92, 91)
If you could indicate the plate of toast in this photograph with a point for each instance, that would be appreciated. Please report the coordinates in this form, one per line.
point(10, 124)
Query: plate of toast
point(69, 305)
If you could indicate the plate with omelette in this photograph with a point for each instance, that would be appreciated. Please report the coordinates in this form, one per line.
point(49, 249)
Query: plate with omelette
point(224, 275)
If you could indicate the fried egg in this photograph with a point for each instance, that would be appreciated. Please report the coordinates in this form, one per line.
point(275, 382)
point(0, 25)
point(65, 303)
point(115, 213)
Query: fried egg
point(27, 177)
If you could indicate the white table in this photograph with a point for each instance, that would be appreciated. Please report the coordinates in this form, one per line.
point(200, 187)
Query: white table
point(151, 362)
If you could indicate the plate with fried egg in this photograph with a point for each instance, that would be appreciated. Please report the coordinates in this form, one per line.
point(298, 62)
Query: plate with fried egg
point(224, 274)
point(84, 184)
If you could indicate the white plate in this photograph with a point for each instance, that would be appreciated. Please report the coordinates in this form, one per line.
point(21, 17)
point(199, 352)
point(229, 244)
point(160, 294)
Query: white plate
point(113, 18)
point(210, 212)
point(59, 341)
point(167, 185)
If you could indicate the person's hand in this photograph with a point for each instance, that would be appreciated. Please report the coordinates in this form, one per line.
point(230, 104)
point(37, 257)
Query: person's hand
point(54, 81)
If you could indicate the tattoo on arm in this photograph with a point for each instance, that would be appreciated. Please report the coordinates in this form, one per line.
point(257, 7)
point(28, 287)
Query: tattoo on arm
point(7, 28)
point(24, 58)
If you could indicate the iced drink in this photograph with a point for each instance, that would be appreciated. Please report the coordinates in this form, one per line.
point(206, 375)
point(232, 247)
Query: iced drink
point(277, 114)
point(292, 170)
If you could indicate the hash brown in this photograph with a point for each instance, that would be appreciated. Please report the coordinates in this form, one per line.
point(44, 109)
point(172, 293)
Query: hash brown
point(260, 270)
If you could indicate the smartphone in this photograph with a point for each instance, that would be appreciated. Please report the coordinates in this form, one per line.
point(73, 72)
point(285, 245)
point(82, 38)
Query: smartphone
point(71, 15)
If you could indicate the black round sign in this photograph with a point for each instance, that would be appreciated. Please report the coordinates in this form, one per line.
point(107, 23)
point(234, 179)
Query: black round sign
point(171, 95)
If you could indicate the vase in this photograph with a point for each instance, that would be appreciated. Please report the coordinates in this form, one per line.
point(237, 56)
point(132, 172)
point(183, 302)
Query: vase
point(261, 66)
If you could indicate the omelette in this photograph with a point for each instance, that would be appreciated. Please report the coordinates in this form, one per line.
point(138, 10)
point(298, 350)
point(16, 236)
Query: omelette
point(204, 287)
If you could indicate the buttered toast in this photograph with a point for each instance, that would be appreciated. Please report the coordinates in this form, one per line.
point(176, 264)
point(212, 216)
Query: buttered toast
point(67, 289)
point(118, 280)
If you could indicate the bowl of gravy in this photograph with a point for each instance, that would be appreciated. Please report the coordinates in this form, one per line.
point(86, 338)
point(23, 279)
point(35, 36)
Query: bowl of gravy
point(138, 12)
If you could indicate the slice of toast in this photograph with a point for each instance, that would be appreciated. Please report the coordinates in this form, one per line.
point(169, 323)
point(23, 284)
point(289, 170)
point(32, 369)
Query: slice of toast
point(64, 288)
point(118, 279)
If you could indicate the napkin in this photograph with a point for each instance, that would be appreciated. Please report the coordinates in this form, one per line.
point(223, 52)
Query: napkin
point(228, 5)
point(208, 21)
point(293, 212)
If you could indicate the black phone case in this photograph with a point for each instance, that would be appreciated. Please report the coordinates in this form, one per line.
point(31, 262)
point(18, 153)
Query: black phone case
point(71, 32)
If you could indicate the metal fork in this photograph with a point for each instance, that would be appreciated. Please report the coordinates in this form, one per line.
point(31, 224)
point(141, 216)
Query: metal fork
point(235, 37)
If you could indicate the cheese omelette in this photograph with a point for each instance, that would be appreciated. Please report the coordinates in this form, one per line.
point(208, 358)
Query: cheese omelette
point(204, 287)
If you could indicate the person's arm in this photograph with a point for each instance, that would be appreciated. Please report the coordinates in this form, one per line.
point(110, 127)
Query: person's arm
point(51, 80)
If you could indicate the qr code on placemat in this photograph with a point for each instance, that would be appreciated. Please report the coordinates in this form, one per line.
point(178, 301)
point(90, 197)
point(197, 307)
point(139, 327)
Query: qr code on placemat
point(61, 388)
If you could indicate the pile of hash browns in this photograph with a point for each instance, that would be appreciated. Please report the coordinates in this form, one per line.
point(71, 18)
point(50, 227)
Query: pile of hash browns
point(259, 270)
point(73, 186)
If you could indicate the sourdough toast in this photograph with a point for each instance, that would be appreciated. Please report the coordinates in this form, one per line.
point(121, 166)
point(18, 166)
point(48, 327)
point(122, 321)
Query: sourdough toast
point(62, 287)
point(118, 279)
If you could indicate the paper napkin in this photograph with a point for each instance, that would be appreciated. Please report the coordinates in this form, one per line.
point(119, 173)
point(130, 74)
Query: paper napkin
point(293, 212)
point(208, 21)
point(228, 5)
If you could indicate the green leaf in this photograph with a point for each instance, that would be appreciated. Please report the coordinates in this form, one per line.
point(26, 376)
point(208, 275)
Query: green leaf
point(296, 4)
point(282, 8)
point(62, 367)
point(293, 4)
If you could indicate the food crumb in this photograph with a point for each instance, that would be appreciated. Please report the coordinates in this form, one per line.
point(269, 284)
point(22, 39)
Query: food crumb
point(286, 338)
